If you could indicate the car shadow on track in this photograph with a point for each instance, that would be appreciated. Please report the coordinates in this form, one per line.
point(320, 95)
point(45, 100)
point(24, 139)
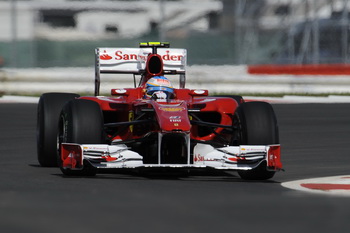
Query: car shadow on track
point(205, 176)
point(161, 174)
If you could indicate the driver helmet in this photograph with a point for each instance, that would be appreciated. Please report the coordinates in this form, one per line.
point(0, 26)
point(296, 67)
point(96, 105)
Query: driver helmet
point(159, 87)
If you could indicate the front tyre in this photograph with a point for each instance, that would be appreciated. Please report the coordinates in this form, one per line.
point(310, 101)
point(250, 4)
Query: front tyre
point(257, 125)
point(49, 108)
point(81, 122)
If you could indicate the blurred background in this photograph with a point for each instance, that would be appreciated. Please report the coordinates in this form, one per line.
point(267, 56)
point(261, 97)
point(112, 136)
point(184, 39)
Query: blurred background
point(64, 33)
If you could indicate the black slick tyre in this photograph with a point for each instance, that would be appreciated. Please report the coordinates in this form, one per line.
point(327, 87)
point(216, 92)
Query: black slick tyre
point(48, 112)
point(257, 125)
point(81, 122)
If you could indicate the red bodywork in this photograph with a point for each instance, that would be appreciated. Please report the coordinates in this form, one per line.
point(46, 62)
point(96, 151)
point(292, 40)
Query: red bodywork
point(172, 116)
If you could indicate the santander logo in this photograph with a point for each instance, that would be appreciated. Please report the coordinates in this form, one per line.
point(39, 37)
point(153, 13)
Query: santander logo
point(105, 57)
point(119, 55)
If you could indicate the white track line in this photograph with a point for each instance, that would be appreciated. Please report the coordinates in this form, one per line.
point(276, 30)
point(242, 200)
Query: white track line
point(290, 99)
point(18, 99)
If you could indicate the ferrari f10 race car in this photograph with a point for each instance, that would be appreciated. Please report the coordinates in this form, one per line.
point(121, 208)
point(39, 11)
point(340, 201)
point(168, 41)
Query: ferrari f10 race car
point(154, 125)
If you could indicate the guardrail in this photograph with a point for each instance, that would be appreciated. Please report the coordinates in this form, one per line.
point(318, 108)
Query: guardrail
point(217, 79)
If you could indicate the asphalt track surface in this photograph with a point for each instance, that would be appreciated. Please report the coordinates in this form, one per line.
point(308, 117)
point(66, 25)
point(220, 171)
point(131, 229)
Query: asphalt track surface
point(315, 142)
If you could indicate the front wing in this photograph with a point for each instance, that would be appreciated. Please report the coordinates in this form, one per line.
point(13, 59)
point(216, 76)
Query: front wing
point(244, 157)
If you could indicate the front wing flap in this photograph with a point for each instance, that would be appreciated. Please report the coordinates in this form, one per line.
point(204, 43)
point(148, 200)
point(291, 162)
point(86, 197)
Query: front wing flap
point(244, 157)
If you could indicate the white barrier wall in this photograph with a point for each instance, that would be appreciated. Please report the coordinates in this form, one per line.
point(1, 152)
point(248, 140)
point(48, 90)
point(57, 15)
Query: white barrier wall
point(217, 79)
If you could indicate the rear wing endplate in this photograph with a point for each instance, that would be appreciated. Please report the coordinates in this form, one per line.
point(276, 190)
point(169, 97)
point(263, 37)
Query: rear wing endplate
point(133, 61)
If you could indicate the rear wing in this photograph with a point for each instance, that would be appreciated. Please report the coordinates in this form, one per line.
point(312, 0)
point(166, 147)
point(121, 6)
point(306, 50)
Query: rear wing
point(133, 61)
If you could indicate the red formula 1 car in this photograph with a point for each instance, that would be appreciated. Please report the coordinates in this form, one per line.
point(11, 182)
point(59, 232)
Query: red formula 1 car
point(155, 125)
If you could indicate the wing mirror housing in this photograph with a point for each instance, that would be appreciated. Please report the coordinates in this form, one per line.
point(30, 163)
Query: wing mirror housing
point(199, 92)
point(120, 91)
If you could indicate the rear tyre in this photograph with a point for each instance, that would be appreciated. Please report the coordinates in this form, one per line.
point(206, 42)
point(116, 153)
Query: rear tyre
point(81, 122)
point(257, 125)
point(49, 108)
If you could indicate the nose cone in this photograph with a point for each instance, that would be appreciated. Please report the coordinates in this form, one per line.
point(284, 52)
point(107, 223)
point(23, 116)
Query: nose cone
point(172, 117)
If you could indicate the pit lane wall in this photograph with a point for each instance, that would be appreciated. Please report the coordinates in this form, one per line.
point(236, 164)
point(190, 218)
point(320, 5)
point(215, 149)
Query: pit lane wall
point(217, 79)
